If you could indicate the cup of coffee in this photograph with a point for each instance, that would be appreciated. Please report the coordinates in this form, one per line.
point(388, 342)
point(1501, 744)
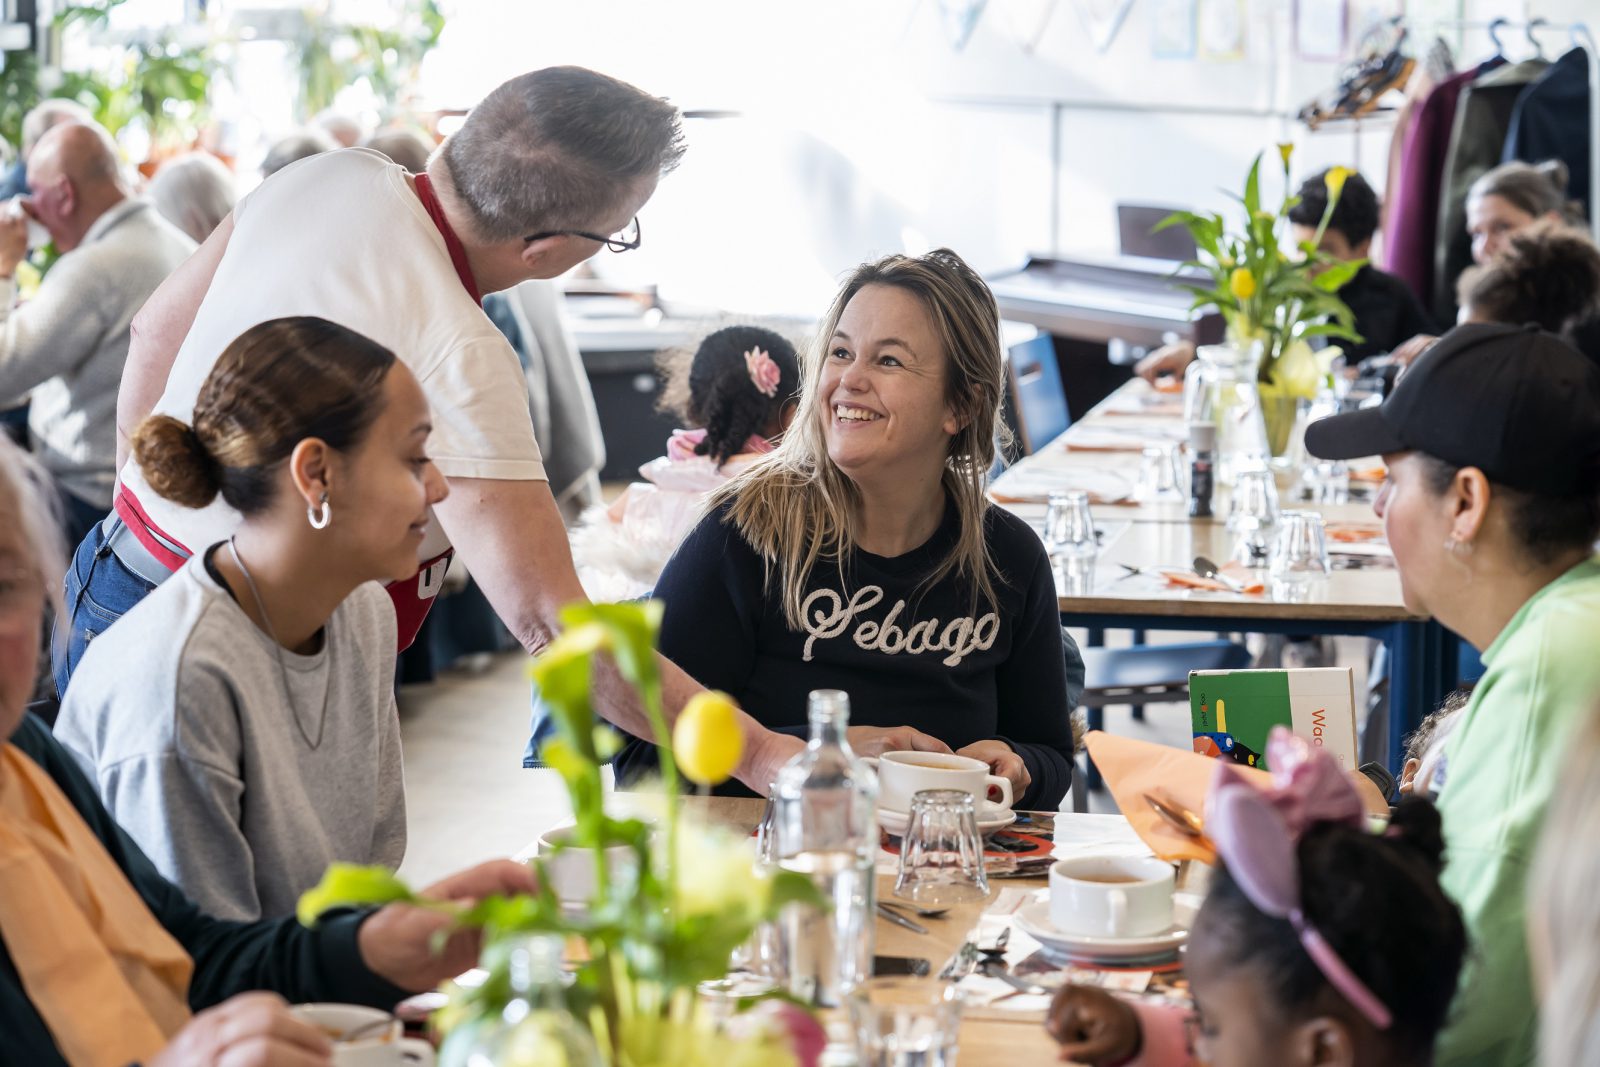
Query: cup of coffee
point(1111, 896)
point(902, 775)
point(365, 1037)
point(571, 869)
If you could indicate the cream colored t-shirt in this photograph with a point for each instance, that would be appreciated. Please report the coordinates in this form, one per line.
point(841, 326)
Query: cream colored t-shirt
point(343, 236)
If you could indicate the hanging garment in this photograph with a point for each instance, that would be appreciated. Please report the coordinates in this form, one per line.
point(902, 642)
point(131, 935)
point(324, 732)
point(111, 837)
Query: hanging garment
point(1483, 116)
point(1413, 201)
point(1437, 66)
point(1551, 121)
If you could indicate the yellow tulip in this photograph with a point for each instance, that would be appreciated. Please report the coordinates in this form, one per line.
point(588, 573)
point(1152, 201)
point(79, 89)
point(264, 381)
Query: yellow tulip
point(707, 739)
point(1335, 179)
point(1242, 283)
point(1285, 150)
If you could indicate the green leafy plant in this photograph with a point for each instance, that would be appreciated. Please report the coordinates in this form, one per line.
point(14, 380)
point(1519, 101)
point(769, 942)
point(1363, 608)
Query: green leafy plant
point(1263, 294)
point(694, 894)
point(333, 55)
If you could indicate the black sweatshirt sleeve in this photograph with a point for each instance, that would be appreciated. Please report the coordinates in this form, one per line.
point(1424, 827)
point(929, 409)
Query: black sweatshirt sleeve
point(278, 955)
point(1034, 689)
point(708, 626)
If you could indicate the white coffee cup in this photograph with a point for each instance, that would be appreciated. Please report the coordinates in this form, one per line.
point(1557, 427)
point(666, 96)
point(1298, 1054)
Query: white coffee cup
point(901, 775)
point(571, 870)
point(1111, 896)
point(378, 1039)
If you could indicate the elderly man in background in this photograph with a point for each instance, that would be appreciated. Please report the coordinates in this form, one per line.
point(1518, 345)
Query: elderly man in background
point(35, 124)
point(194, 192)
point(65, 348)
point(549, 168)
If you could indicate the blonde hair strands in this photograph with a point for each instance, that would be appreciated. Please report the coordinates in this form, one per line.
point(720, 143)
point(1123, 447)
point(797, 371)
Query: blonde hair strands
point(796, 507)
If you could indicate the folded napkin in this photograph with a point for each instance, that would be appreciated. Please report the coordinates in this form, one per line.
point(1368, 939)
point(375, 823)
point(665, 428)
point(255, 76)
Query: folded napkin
point(1133, 768)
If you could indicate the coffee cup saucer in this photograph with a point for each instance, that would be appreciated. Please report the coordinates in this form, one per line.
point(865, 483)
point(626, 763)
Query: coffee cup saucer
point(1033, 919)
point(991, 817)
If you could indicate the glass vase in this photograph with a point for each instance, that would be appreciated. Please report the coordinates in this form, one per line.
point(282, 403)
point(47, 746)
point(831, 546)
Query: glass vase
point(1221, 389)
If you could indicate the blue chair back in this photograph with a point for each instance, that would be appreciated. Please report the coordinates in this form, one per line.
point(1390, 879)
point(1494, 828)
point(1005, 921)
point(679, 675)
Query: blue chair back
point(1038, 402)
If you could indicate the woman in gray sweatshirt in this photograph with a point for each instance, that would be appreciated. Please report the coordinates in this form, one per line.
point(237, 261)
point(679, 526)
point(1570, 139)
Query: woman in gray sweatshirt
point(240, 722)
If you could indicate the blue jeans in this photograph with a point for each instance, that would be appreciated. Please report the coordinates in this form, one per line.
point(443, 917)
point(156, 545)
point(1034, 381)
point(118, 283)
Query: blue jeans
point(100, 589)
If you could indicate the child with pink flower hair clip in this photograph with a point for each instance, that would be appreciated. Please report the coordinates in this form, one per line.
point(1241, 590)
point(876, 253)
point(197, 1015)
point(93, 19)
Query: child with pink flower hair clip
point(734, 394)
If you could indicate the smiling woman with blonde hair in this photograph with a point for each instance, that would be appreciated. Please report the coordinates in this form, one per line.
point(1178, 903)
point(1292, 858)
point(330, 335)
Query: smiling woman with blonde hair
point(862, 554)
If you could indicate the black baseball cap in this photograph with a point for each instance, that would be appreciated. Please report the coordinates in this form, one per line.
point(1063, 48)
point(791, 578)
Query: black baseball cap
point(1517, 403)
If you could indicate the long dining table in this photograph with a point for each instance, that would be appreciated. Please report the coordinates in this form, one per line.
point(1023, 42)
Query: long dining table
point(1103, 453)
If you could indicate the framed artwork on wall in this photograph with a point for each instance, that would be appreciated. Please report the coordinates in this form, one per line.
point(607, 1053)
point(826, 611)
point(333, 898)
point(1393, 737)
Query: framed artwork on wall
point(1174, 33)
point(1224, 30)
point(1319, 29)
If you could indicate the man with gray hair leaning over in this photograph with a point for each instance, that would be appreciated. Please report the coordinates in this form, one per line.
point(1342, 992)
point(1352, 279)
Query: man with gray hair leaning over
point(64, 349)
point(550, 167)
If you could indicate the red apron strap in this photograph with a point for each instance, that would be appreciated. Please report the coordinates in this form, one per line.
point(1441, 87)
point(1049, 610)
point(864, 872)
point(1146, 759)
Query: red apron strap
point(413, 597)
point(458, 252)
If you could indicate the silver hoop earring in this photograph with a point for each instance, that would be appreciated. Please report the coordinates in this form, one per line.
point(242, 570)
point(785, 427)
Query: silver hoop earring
point(320, 516)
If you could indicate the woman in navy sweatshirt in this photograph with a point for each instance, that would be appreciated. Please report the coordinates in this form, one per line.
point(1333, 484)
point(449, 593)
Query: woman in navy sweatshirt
point(863, 554)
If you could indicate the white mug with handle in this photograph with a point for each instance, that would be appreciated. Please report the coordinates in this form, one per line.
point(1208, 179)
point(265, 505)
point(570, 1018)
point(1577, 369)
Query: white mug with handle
point(902, 774)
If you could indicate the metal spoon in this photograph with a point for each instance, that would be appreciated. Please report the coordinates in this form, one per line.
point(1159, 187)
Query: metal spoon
point(1181, 818)
point(1207, 569)
point(994, 967)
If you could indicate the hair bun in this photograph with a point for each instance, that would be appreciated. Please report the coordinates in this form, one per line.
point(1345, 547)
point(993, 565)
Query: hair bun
point(1557, 173)
point(175, 462)
point(1415, 825)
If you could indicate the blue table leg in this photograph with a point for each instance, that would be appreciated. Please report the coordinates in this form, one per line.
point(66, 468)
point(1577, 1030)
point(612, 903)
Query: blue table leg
point(1412, 675)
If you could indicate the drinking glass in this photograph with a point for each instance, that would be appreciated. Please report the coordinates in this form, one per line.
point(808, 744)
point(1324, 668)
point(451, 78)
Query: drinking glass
point(1253, 513)
point(941, 855)
point(1160, 478)
point(906, 1022)
point(1069, 526)
point(1299, 555)
point(761, 957)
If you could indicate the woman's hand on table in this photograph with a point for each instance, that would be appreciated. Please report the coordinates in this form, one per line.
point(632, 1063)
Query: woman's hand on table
point(1092, 1026)
point(1003, 761)
point(876, 740)
point(249, 1030)
point(397, 941)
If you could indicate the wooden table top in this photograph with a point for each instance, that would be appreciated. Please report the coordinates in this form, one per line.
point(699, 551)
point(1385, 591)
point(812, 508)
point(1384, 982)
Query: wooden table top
point(984, 1042)
point(1162, 534)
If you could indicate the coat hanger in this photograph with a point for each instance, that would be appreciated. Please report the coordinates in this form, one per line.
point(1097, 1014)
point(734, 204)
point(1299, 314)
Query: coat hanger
point(1538, 49)
point(1495, 26)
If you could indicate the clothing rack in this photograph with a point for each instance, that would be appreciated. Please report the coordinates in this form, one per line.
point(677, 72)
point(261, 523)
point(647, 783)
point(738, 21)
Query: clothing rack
point(1582, 37)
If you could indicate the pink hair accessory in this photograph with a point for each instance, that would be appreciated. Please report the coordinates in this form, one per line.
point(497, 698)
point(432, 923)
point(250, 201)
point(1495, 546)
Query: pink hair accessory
point(1256, 833)
point(763, 372)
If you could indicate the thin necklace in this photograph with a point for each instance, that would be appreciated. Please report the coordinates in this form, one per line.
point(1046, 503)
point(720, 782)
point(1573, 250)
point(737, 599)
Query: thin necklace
point(283, 671)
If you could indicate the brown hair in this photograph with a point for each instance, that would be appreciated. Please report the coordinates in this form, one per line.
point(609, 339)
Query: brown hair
point(1547, 274)
point(795, 507)
point(277, 384)
point(1536, 188)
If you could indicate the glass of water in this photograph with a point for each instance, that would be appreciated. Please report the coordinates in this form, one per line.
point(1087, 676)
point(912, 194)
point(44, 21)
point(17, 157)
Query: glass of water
point(1299, 555)
point(1253, 513)
point(1069, 526)
point(906, 1022)
point(941, 855)
point(1160, 479)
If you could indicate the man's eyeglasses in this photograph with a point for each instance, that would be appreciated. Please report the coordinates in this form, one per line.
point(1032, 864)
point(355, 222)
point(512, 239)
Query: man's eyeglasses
point(625, 240)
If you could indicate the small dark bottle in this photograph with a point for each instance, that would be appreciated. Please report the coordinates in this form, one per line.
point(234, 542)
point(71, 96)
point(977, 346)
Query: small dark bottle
point(1202, 469)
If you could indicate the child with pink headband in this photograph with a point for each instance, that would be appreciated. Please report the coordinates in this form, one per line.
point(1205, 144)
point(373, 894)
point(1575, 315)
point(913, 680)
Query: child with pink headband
point(1319, 943)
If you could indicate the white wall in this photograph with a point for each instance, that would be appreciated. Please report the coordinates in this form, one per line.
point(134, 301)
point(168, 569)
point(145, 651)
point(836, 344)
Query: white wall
point(864, 131)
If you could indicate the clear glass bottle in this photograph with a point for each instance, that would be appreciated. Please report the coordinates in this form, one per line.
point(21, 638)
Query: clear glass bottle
point(825, 826)
point(535, 1029)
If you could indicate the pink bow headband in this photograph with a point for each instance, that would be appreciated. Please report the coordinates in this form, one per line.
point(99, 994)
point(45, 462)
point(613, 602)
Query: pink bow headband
point(1257, 833)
